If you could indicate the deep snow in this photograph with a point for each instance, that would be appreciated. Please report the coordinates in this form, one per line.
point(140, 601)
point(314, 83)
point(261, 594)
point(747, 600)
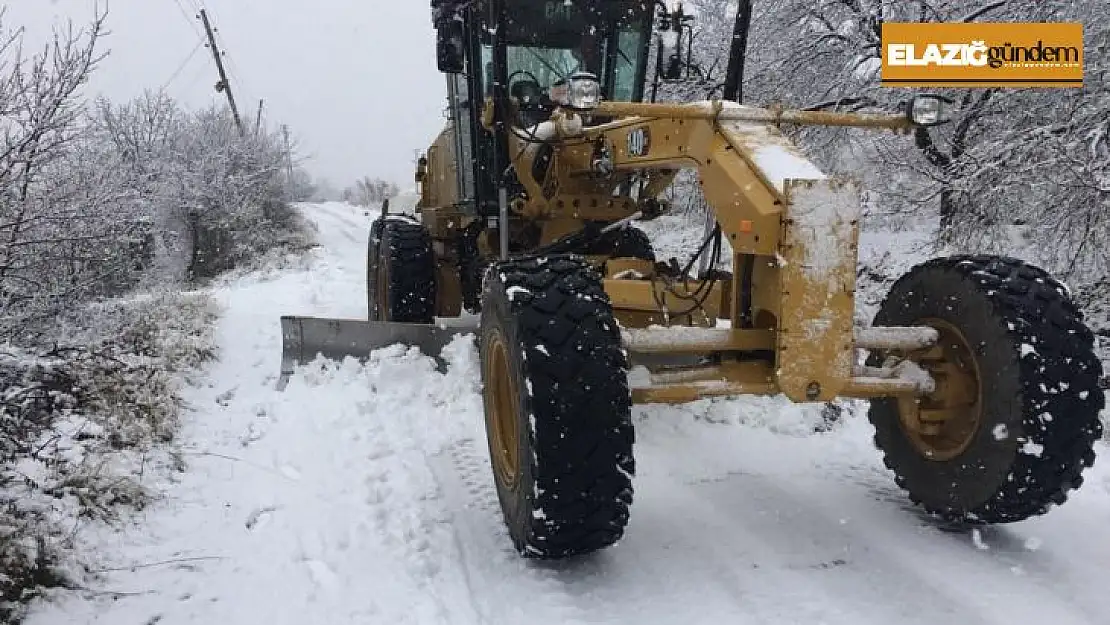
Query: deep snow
point(362, 494)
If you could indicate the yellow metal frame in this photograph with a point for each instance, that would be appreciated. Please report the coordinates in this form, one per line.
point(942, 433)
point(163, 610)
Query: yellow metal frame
point(808, 313)
point(770, 202)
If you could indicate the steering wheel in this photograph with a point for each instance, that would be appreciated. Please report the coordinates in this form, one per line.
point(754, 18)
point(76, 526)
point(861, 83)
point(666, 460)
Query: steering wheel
point(528, 92)
point(532, 102)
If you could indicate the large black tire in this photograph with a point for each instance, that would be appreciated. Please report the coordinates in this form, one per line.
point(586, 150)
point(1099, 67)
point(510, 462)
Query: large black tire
point(1039, 404)
point(554, 371)
point(628, 242)
point(373, 244)
point(400, 272)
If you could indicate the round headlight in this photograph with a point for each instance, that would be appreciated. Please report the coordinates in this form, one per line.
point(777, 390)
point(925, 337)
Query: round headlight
point(929, 110)
point(581, 92)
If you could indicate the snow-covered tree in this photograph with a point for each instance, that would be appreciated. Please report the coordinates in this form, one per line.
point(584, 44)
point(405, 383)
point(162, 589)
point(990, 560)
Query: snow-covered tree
point(45, 258)
point(95, 200)
point(368, 191)
point(1015, 167)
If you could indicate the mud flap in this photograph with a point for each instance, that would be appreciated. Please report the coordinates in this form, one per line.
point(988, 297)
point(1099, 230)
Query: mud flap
point(305, 338)
point(818, 251)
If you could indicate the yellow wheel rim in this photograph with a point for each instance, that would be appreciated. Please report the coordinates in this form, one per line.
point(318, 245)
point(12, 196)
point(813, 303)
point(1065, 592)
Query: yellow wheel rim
point(958, 397)
point(502, 403)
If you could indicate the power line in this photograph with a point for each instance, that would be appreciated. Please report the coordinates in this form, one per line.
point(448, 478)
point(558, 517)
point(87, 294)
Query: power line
point(181, 67)
point(217, 52)
point(233, 67)
point(190, 80)
point(191, 20)
point(184, 13)
point(194, 5)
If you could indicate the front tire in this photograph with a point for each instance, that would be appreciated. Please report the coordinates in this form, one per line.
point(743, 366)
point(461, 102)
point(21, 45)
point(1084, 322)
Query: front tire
point(557, 406)
point(1015, 345)
point(401, 272)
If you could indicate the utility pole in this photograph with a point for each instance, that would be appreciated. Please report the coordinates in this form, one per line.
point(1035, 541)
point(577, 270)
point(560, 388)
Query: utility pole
point(224, 85)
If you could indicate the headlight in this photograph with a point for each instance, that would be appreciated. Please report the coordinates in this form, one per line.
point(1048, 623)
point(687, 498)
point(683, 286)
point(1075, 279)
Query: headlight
point(929, 110)
point(581, 92)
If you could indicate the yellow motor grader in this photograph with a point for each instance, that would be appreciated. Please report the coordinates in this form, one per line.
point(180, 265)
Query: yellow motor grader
point(979, 369)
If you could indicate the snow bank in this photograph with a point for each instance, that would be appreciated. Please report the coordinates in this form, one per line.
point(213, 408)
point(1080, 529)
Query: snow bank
point(82, 423)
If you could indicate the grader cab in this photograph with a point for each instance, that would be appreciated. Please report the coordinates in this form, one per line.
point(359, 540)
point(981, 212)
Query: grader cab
point(980, 370)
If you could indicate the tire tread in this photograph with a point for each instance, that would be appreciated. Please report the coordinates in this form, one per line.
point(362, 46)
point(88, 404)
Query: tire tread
point(583, 434)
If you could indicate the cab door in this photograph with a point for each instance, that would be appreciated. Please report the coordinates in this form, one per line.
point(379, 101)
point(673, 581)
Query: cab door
point(460, 110)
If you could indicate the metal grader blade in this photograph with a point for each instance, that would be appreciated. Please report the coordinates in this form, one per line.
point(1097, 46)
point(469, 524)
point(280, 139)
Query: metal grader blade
point(303, 338)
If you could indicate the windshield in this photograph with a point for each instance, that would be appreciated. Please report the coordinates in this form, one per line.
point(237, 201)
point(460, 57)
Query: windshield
point(549, 41)
point(550, 65)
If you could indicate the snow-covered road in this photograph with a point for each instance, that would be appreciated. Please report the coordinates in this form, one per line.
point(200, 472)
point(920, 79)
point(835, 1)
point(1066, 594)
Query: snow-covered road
point(362, 494)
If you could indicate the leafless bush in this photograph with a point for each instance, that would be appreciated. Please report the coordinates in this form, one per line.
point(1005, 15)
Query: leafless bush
point(79, 423)
point(369, 192)
point(219, 198)
point(95, 201)
point(44, 259)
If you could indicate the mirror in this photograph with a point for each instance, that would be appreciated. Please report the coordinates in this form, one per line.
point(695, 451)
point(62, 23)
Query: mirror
point(673, 68)
point(674, 37)
point(450, 51)
point(669, 63)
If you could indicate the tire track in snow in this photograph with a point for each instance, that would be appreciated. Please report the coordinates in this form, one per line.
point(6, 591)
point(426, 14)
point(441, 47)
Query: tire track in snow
point(501, 586)
point(536, 593)
point(410, 515)
point(773, 528)
point(342, 265)
point(760, 540)
point(352, 223)
point(360, 523)
point(390, 433)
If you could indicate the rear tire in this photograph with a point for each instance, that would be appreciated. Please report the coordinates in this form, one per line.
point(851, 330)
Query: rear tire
point(557, 405)
point(1038, 403)
point(401, 272)
point(627, 242)
point(373, 243)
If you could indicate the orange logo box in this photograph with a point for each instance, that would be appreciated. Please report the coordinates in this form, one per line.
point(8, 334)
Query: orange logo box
point(983, 55)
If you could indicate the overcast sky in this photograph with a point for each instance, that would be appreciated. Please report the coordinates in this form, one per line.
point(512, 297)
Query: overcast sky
point(355, 79)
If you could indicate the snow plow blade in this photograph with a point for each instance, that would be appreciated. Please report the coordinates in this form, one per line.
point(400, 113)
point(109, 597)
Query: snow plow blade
point(304, 338)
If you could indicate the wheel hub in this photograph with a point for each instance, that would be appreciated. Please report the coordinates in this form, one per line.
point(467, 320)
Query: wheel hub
point(948, 419)
point(502, 403)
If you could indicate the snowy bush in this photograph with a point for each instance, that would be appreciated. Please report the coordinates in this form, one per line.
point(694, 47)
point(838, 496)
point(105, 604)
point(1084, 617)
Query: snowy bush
point(81, 422)
point(105, 212)
point(218, 198)
point(95, 201)
point(369, 192)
